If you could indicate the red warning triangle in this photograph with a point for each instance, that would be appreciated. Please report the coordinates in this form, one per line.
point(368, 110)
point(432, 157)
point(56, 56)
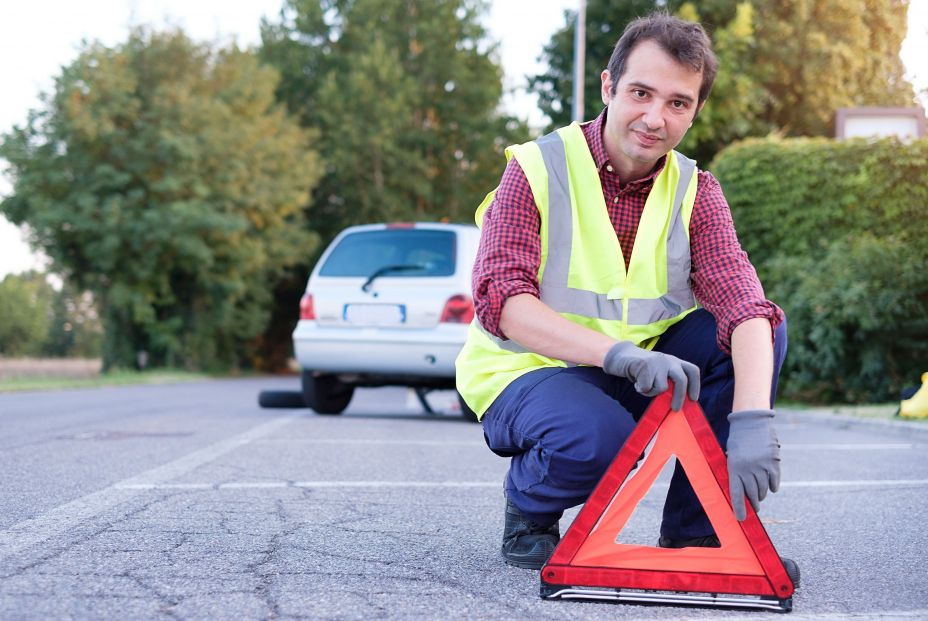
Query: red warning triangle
point(590, 555)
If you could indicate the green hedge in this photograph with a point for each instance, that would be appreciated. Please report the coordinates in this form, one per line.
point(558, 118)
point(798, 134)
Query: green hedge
point(838, 232)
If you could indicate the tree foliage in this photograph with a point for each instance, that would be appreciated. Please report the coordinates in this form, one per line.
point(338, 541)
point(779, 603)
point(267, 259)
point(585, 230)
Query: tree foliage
point(161, 176)
point(815, 56)
point(783, 66)
point(42, 320)
point(75, 329)
point(404, 96)
point(837, 232)
point(605, 21)
point(25, 309)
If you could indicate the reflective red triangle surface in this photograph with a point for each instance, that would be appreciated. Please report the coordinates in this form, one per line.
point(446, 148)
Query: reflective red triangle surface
point(591, 554)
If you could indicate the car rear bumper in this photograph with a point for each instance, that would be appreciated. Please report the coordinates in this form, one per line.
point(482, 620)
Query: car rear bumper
point(379, 351)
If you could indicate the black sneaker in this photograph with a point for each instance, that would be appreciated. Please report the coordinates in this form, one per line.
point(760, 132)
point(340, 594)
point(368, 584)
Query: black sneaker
point(526, 544)
point(792, 570)
point(711, 541)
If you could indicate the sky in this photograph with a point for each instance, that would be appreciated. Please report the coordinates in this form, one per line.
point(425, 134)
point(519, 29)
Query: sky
point(37, 38)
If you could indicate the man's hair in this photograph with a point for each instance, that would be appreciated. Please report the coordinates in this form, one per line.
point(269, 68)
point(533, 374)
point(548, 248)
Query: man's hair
point(685, 41)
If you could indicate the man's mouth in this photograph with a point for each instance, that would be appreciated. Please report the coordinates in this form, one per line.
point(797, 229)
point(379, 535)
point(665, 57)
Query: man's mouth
point(647, 139)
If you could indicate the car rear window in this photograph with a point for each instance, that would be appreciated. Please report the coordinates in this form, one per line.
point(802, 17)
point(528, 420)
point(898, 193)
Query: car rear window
point(420, 252)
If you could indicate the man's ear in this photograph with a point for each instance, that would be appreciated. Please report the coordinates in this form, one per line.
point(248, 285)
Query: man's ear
point(698, 110)
point(606, 87)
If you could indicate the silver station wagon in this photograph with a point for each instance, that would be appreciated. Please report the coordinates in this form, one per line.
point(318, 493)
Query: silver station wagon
point(387, 304)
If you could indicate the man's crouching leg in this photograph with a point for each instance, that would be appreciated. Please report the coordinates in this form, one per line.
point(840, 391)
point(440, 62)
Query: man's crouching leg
point(562, 428)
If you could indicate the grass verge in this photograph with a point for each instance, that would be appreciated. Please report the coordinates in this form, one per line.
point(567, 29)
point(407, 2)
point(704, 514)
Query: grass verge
point(873, 411)
point(115, 378)
point(867, 410)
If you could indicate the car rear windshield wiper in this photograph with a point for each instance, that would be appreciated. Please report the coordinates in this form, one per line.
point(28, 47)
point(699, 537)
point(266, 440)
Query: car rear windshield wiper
point(386, 269)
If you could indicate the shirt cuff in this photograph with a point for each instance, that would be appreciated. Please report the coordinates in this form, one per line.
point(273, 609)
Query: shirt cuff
point(735, 317)
point(490, 307)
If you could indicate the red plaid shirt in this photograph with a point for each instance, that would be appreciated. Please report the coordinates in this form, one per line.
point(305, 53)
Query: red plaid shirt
point(723, 279)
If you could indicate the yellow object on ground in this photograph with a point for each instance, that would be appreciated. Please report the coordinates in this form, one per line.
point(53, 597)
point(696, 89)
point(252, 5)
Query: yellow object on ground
point(917, 406)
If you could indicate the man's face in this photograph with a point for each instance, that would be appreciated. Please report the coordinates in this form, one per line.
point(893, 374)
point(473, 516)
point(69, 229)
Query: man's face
point(654, 104)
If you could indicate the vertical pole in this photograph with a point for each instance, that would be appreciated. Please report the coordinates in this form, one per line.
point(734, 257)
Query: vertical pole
point(579, 57)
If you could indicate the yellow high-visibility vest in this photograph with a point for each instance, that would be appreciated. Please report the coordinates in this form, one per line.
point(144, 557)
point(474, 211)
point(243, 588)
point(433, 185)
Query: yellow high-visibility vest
point(582, 273)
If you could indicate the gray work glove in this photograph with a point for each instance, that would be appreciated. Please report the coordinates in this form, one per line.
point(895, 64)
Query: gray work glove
point(753, 458)
point(650, 371)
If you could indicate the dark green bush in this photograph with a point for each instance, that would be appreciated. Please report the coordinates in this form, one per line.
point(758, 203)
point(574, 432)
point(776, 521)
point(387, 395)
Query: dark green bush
point(838, 232)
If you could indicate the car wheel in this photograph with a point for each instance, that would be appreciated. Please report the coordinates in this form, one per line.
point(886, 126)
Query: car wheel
point(325, 393)
point(281, 399)
point(466, 412)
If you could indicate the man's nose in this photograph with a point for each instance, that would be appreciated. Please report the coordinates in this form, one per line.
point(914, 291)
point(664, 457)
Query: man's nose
point(653, 116)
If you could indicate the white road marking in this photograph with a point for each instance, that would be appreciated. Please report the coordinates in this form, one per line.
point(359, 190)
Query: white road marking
point(63, 518)
point(351, 441)
point(311, 484)
point(859, 483)
point(883, 615)
point(871, 446)
point(462, 484)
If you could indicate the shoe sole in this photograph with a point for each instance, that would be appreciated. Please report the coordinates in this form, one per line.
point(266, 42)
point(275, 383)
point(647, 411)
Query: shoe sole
point(534, 566)
point(792, 570)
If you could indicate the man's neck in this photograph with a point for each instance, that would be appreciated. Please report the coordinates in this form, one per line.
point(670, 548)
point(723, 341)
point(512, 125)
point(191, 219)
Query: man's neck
point(630, 171)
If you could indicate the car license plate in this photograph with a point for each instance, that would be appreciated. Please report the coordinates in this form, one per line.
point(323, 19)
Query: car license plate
point(375, 314)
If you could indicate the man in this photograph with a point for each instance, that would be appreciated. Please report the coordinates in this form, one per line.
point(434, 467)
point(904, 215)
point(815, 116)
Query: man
point(608, 267)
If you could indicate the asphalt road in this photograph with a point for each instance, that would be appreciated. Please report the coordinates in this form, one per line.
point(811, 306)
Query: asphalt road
point(190, 502)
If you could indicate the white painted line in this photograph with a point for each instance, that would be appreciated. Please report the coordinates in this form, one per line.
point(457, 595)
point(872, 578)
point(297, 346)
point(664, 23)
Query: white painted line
point(61, 519)
point(451, 484)
point(872, 446)
point(350, 441)
point(883, 615)
point(462, 484)
point(308, 484)
point(255, 485)
point(859, 483)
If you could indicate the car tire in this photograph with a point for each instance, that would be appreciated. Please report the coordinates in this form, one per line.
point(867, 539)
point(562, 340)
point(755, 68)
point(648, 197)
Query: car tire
point(466, 412)
point(325, 393)
point(281, 399)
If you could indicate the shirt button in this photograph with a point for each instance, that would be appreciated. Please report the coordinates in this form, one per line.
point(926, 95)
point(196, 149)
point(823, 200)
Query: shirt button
point(609, 167)
point(615, 200)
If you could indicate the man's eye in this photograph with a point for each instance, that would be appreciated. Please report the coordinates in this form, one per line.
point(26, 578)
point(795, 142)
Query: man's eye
point(678, 105)
point(640, 94)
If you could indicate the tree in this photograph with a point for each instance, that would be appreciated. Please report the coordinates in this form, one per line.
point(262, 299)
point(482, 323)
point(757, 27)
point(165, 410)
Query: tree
point(815, 56)
point(404, 96)
point(605, 21)
point(784, 66)
point(162, 176)
point(75, 329)
point(736, 105)
point(25, 309)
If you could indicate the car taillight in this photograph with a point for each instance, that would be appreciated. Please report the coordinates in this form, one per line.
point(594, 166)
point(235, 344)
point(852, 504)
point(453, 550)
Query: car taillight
point(458, 309)
point(306, 307)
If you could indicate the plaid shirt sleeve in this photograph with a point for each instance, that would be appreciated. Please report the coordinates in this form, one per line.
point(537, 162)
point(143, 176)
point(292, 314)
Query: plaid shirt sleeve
point(723, 278)
point(510, 249)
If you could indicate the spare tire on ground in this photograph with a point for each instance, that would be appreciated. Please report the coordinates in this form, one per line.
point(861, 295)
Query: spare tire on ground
point(281, 399)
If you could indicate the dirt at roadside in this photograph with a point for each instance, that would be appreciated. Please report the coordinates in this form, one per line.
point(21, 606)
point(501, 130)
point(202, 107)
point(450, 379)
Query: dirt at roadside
point(29, 368)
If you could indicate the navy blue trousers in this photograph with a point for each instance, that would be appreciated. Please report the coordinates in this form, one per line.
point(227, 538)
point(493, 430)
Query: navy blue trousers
point(562, 427)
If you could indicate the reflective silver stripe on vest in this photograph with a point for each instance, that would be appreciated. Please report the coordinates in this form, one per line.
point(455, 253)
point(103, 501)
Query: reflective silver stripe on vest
point(508, 345)
point(679, 296)
point(554, 289)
